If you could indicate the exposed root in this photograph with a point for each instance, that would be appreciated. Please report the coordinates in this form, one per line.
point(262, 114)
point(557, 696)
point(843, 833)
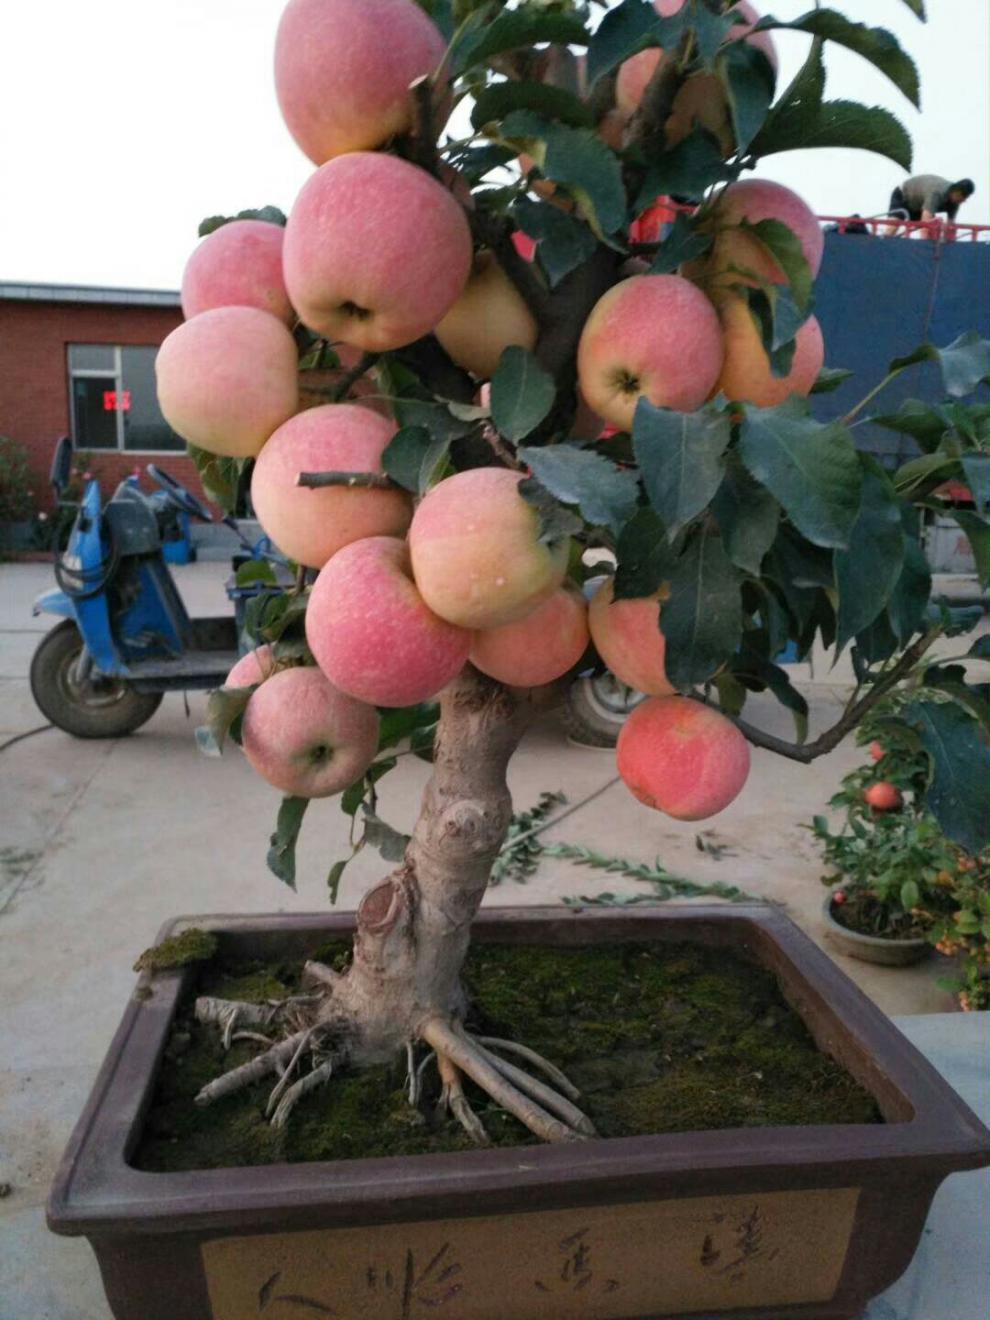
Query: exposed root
point(250, 1072)
point(252, 1035)
point(318, 1077)
point(470, 1058)
point(413, 1081)
point(543, 1094)
point(286, 1077)
point(317, 973)
point(552, 1071)
point(452, 1098)
point(221, 1011)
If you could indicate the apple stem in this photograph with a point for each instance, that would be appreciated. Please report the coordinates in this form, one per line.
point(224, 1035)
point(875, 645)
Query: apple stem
point(315, 480)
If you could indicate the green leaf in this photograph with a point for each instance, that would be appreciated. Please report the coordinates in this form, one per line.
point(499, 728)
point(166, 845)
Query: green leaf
point(579, 160)
point(965, 364)
point(644, 557)
point(959, 786)
point(413, 457)
point(219, 476)
point(514, 28)
point(686, 171)
point(835, 124)
point(605, 494)
point(271, 214)
point(522, 393)
point(563, 241)
point(867, 572)
point(909, 599)
point(812, 469)
point(749, 81)
point(683, 243)
point(628, 28)
point(499, 99)
point(389, 842)
point(785, 248)
point(556, 522)
point(282, 853)
point(910, 895)
point(829, 379)
point(749, 664)
point(224, 707)
point(748, 516)
point(920, 475)
point(680, 459)
point(334, 876)
point(398, 724)
point(924, 422)
point(980, 650)
point(710, 30)
point(875, 44)
point(978, 535)
point(255, 570)
point(702, 619)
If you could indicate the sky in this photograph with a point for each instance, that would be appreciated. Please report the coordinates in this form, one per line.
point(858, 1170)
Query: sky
point(124, 122)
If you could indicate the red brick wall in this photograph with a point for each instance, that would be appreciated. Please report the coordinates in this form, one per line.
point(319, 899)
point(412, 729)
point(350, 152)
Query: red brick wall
point(34, 380)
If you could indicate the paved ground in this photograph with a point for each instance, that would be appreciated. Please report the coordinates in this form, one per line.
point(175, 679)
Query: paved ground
point(102, 842)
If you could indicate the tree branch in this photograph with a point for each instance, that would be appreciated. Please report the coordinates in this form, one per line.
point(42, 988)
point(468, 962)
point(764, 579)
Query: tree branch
point(496, 234)
point(830, 739)
point(424, 134)
point(316, 480)
point(646, 127)
point(366, 362)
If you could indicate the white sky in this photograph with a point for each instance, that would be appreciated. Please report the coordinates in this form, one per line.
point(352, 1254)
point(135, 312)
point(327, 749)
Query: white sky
point(124, 122)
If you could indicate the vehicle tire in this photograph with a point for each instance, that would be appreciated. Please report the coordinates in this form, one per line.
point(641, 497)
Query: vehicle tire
point(596, 708)
point(96, 708)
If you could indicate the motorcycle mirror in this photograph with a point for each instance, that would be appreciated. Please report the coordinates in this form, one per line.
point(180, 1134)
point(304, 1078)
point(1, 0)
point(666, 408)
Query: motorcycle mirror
point(61, 470)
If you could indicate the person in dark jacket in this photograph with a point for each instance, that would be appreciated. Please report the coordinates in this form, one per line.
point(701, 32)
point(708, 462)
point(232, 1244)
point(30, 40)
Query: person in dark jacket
point(924, 196)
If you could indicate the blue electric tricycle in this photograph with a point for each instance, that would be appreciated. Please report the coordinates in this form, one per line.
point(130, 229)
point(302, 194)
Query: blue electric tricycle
point(125, 637)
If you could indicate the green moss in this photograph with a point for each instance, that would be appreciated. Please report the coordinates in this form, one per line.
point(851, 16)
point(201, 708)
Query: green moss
point(658, 1038)
point(193, 945)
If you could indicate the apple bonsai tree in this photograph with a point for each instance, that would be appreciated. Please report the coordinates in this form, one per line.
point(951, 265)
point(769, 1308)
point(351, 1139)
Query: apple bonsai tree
point(468, 358)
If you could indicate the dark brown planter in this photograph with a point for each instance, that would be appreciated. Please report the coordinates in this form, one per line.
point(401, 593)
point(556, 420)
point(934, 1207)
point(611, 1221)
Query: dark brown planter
point(873, 948)
point(754, 1224)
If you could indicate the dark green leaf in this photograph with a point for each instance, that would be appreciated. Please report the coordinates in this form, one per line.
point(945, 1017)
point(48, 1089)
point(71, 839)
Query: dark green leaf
point(813, 470)
point(867, 572)
point(556, 522)
point(578, 159)
point(630, 27)
point(702, 619)
point(980, 650)
point(959, 785)
point(749, 81)
point(749, 664)
point(563, 241)
point(709, 29)
point(748, 516)
point(514, 28)
point(644, 556)
point(680, 459)
point(334, 876)
point(271, 214)
point(398, 724)
point(686, 171)
point(499, 99)
point(835, 124)
point(282, 853)
point(909, 599)
point(605, 494)
point(917, 7)
point(910, 895)
point(964, 362)
point(683, 243)
point(522, 393)
point(412, 457)
point(829, 379)
point(801, 100)
point(920, 475)
point(978, 534)
point(784, 246)
point(476, 162)
point(877, 642)
point(219, 476)
point(924, 422)
point(224, 707)
point(875, 44)
point(389, 842)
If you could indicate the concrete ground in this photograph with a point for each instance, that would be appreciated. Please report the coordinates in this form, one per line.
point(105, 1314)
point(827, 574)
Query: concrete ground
point(101, 842)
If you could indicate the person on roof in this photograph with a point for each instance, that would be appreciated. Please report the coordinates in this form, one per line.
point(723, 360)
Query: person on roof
point(924, 196)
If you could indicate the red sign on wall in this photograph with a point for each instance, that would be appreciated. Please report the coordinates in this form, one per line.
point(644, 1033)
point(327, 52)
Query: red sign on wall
point(116, 400)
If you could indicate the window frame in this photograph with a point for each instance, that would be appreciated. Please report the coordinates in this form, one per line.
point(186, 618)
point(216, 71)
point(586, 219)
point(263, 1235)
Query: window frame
point(117, 371)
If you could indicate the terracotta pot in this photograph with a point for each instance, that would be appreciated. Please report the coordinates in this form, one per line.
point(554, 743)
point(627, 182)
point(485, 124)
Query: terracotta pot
point(787, 1223)
point(873, 948)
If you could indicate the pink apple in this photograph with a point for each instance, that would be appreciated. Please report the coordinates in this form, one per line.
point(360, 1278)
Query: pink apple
point(238, 265)
point(252, 668)
point(311, 525)
point(372, 633)
point(305, 737)
point(746, 376)
point(754, 200)
point(343, 69)
point(627, 636)
point(538, 648)
point(377, 252)
point(656, 336)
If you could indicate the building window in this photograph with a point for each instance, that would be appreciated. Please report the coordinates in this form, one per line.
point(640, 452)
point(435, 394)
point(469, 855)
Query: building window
point(114, 400)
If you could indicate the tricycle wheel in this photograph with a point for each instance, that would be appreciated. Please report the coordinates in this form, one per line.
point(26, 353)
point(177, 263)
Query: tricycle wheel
point(93, 707)
point(596, 709)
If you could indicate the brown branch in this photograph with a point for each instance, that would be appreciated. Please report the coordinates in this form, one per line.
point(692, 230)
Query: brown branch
point(830, 739)
point(496, 234)
point(501, 448)
point(424, 133)
point(646, 127)
point(316, 480)
point(365, 363)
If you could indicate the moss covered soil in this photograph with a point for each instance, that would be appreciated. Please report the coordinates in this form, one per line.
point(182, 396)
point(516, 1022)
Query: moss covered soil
point(668, 1038)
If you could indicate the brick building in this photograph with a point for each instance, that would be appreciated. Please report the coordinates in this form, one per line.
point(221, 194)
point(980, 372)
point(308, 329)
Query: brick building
point(80, 361)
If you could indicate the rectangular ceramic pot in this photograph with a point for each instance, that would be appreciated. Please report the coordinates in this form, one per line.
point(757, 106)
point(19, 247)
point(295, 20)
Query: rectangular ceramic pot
point(753, 1224)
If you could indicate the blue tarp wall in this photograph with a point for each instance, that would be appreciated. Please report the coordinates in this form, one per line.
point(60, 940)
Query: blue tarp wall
point(880, 298)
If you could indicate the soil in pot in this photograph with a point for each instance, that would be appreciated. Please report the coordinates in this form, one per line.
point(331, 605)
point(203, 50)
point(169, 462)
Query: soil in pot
point(658, 1040)
point(864, 914)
